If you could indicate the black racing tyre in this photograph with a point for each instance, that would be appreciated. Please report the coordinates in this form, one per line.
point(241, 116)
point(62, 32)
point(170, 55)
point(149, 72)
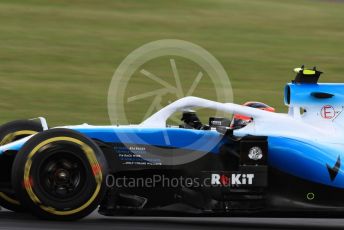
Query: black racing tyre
point(59, 174)
point(10, 132)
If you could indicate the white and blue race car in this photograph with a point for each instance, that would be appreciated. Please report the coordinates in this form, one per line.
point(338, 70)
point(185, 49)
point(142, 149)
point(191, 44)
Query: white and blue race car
point(272, 163)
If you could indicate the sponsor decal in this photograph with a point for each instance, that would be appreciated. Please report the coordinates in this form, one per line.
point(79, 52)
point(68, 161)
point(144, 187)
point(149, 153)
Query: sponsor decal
point(310, 196)
point(333, 171)
point(328, 112)
point(134, 155)
point(233, 179)
point(216, 123)
point(255, 153)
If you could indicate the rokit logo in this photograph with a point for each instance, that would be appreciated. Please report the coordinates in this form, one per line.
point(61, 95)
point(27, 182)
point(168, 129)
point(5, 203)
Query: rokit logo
point(233, 179)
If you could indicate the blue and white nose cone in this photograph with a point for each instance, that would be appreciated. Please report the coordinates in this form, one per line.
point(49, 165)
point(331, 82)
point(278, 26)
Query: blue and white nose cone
point(14, 146)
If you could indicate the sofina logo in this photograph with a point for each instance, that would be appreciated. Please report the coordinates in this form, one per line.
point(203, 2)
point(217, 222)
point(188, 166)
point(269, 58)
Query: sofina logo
point(233, 179)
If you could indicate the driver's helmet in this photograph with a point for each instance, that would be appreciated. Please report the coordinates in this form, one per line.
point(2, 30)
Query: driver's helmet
point(240, 121)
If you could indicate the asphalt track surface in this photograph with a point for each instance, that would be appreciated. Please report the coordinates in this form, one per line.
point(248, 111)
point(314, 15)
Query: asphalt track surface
point(10, 220)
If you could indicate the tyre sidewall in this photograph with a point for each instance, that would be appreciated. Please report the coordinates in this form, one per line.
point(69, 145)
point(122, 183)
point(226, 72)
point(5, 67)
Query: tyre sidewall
point(40, 208)
point(10, 201)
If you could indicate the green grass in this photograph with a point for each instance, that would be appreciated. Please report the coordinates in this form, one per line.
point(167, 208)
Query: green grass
point(57, 57)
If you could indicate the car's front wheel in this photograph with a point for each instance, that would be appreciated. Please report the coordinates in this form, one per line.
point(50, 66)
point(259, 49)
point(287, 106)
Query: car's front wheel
point(60, 174)
point(10, 132)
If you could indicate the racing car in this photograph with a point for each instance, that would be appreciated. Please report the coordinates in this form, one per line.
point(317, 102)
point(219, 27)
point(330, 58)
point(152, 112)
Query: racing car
point(261, 161)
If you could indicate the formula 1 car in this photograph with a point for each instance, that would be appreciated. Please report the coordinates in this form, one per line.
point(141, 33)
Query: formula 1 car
point(274, 162)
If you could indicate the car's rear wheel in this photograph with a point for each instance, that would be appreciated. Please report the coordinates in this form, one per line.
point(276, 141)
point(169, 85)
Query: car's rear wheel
point(60, 174)
point(11, 132)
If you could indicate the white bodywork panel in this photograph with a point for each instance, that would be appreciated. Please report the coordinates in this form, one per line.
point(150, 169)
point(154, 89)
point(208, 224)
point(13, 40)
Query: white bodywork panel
point(264, 123)
point(307, 127)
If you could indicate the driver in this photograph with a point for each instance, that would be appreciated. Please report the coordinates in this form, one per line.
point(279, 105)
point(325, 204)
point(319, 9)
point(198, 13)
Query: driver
point(239, 121)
